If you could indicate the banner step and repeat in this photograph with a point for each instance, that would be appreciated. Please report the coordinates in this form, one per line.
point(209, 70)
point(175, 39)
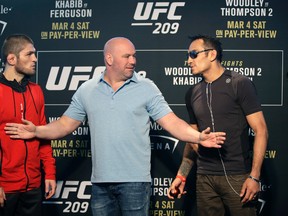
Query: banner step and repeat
point(69, 36)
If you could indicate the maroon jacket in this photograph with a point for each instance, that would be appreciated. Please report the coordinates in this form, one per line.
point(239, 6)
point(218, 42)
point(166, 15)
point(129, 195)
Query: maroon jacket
point(20, 160)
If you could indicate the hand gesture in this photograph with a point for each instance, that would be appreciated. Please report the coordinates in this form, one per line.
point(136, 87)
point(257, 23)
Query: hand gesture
point(21, 131)
point(212, 140)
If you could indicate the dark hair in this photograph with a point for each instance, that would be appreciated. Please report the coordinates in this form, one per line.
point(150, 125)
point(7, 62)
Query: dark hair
point(14, 44)
point(209, 43)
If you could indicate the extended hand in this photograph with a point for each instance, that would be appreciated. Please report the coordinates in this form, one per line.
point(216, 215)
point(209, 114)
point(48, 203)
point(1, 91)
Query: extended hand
point(212, 140)
point(21, 131)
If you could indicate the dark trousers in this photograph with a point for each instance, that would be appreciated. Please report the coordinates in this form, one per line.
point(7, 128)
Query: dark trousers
point(23, 204)
point(215, 197)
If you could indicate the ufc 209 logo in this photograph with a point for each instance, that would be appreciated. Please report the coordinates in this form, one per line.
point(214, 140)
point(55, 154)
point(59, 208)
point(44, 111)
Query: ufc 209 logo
point(148, 13)
point(70, 78)
point(72, 190)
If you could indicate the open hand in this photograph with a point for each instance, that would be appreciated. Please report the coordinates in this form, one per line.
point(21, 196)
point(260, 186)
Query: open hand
point(21, 131)
point(212, 140)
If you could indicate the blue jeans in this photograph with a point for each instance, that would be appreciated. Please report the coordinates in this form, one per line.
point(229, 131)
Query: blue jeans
point(120, 199)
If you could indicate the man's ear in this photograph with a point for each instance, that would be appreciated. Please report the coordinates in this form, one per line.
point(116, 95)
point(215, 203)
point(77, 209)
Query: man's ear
point(213, 55)
point(11, 59)
point(109, 59)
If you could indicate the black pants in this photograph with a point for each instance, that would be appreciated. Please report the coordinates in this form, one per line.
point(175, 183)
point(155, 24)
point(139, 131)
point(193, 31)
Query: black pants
point(23, 204)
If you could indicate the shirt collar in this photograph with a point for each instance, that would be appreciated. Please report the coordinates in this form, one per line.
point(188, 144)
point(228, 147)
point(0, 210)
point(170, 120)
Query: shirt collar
point(134, 78)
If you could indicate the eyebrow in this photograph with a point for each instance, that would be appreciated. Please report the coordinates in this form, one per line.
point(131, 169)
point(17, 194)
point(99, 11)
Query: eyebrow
point(29, 52)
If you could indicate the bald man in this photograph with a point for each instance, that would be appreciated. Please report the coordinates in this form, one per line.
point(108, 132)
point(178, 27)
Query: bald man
point(118, 105)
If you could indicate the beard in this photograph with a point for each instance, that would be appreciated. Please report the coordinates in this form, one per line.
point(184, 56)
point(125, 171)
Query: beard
point(24, 70)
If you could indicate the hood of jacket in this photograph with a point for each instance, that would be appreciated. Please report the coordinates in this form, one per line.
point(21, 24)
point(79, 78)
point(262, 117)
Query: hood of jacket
point(16, 86)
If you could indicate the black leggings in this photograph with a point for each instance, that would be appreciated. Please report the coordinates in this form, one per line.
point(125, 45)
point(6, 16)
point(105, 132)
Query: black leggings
point(23, 203)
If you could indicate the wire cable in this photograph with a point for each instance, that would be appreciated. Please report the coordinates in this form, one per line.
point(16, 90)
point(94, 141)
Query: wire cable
point(209, 104)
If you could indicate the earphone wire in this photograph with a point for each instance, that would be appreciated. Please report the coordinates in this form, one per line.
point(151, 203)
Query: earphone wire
point(209, 104)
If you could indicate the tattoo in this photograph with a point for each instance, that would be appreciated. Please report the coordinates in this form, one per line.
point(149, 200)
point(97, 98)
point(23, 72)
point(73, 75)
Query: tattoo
point(189, 158)
point(185, 167)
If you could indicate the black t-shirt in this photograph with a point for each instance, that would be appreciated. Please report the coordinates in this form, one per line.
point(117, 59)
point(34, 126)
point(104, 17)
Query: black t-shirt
point(226, 106)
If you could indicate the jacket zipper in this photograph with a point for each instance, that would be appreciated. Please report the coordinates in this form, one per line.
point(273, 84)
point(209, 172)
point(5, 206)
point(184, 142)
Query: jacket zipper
point(23, 115)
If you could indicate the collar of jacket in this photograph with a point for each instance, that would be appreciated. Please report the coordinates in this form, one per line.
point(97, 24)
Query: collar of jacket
point(18, 87)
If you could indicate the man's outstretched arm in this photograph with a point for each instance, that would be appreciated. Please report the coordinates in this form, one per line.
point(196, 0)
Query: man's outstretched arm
point(184, 132)
point(54, 130)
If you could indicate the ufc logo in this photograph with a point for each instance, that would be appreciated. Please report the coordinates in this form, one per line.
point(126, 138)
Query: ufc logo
point(78, 74)
point(65, 188)
point(153, 10)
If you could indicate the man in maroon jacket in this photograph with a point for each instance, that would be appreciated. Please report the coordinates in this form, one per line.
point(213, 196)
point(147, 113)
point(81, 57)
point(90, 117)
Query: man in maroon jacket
point(20, 160)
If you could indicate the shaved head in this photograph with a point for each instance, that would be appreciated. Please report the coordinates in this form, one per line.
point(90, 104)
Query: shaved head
point(114, 43)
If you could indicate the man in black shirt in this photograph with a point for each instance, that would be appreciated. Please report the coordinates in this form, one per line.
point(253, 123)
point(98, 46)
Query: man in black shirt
point(227, 178)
